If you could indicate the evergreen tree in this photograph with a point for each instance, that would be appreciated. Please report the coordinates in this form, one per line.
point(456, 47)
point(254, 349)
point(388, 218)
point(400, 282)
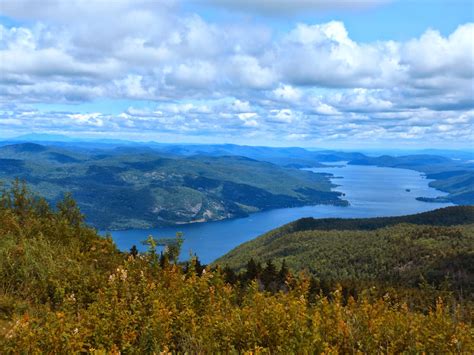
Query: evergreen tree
point(173, 248)
point(164, 260)
point(269, 276)
point(22, 200)
point(42, 208)
point(254, 270)
point(229, 275)
point(134, 251)
point(198, 266)
point(69, 210)
point(283, 273)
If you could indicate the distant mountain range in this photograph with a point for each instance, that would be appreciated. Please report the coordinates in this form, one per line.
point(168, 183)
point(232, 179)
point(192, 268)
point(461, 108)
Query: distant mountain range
point(465, 154)
point(138, 187)
point(122, 184)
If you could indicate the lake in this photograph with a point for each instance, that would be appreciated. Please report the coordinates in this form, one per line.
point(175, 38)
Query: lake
point(371, 191)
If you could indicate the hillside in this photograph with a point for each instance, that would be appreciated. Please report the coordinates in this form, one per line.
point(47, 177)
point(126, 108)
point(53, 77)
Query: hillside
point(64, 289)
point(122, 185)
point(129, 187)
point(433, 247)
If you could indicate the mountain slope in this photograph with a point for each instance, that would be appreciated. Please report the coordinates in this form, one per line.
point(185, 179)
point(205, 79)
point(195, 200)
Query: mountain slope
point(404, 250)
point(128, 187)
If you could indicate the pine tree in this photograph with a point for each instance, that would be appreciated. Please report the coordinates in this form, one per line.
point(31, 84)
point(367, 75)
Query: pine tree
point(254, 270)
point(134, 251)
point(269, 275)
point(22, 200)
point(229, 275)
point(42, 208)
point(69, 210)
point(283, 273)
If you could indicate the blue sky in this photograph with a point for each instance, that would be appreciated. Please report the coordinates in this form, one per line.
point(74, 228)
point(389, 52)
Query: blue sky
point(391, 20)
point(313, 73)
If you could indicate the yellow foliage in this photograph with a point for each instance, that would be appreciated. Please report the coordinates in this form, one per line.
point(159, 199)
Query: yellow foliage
point(141, 310)
point(66, 290)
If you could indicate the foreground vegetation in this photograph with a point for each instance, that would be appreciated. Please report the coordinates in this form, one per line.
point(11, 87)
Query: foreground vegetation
point(64, 289)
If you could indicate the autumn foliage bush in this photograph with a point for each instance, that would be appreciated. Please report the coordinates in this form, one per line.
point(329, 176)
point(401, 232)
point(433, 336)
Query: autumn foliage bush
point(64, 289)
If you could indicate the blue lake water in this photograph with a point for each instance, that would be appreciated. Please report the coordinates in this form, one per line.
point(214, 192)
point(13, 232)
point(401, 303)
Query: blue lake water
point(371, 192)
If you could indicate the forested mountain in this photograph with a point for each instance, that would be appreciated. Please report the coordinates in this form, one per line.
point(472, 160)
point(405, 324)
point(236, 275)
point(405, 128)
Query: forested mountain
point(130, 187)
point(65, 289)
point(122, 185)
point(435, 247)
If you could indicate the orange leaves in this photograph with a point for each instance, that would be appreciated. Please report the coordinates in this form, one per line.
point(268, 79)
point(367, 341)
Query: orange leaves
point(149, 312)
point(66, 290)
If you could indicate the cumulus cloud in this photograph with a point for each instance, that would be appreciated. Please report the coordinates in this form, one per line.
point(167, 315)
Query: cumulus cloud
point(199, 75)
point(247, 71)
point(451, 56)
point(282, 116)
point(312, 81)
point(241, 106)
point(362, 100)
point(287, 93)
point(324, 55)
point(193, 58)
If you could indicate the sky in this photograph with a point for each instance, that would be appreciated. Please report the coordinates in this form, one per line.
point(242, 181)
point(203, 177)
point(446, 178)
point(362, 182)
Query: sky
point(311, 73)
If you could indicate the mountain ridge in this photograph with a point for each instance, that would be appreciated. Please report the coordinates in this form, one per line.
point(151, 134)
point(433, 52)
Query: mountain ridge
point(136, 188)
point(434, 247)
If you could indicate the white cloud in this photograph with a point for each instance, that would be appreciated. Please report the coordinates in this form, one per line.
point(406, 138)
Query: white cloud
point(362, 100)
point(247, 116)
point(247, 71)
point(285, 115)
point(312, 80)
point(90, 119)
point(296, 136)
point(325, 109)
point(131, 86)
point(199, 75)
point(324, 55)
point(433, 55)
point(194, 58)
point(241, 106)
point(333, 31)
point(287, 93)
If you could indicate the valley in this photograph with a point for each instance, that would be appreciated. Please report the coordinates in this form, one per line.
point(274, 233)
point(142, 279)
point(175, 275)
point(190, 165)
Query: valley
point(128, 185)
point(236, 177)
point(371, 191)
point(123, 188)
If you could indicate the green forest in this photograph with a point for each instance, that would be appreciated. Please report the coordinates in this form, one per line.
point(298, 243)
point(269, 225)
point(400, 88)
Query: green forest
point(131, 187)
point(427, 253)
point(65, 289)
point(140, 187)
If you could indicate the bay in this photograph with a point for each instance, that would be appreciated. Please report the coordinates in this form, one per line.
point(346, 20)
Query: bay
point(371, 191)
